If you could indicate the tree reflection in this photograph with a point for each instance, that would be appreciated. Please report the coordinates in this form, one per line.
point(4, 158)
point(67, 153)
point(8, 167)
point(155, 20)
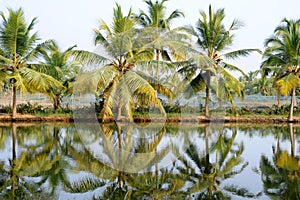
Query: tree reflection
point(13, 183)
point(206, 174)
point(281, 175)
point(124, 152)
point(124, 161)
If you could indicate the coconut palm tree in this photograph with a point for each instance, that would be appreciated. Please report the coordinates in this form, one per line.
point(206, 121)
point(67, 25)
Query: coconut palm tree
point(117, 82)
point(156, 16)
point(166, 43)
point(18, 50)
point(213, 41)
point(281, 56)
point(59, 65)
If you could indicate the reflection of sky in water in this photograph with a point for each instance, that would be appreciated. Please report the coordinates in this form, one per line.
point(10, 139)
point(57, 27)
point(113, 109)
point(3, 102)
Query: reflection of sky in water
point(255, 145)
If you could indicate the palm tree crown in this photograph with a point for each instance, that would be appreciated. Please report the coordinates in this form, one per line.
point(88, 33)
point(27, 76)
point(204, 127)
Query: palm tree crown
point(18, 50)
point(282, 55)
point(214, 40)
point(118, 84)
point(156, 16)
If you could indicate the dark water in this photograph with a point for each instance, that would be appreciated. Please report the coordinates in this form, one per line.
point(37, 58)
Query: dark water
point(149, 161)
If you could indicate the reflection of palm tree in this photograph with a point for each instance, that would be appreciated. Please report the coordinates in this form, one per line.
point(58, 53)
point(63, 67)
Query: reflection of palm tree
point(55, 151)
point(281, 178)
point(123, 155)
point(147, 185)
point(12, 182)
point(206, 176)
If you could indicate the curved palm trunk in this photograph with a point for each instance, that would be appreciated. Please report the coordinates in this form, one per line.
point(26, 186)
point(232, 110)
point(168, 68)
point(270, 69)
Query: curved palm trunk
point(14, 108)
point(291, 114)
point(207, 95)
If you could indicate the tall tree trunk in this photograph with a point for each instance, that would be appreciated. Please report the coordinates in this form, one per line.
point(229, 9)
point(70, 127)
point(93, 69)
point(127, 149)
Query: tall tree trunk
point(278, 96)
point(220, 103)
point(56, 102)
point(290, 119)
point(207, 95)
point(157, 52)
point(14, 108)
point(119, 111)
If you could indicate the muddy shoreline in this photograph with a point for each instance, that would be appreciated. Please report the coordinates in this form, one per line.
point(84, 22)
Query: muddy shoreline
point(200, 119)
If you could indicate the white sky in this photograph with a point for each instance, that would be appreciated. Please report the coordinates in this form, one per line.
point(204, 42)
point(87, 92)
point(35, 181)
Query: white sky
point(72, 21)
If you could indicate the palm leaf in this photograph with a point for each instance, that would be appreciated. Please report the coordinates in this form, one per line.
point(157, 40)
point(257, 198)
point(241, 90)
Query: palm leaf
point(89, 58)
point(239, 53)
point(36, 81)
point(287, 83)
point(234, 68)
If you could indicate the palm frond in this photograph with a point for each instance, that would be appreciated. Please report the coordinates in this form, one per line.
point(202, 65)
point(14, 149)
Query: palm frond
point(89, 58)
point(239, 53)
point(234, 68)
point(36, 81)
point(156, 84)
point(287, 83)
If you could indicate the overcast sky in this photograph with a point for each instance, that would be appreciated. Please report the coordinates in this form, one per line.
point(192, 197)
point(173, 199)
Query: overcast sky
point(72, 21)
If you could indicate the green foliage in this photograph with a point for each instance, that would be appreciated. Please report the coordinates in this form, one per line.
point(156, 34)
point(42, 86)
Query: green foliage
point(263, 110)
point(35, 108)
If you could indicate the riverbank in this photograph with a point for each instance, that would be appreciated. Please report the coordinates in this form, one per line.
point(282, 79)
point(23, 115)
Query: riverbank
point(143, 119)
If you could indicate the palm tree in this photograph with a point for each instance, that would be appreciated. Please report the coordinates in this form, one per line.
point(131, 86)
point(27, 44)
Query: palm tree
point(156, 16)
point(166, 43)
point(58, 64)
point(264, 86)
point(118, 84)
point(18, 48)
point(213, 39)
point(282, 56)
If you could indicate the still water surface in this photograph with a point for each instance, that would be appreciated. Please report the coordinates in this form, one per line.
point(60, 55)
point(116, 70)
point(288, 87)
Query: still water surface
point(149, 161)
